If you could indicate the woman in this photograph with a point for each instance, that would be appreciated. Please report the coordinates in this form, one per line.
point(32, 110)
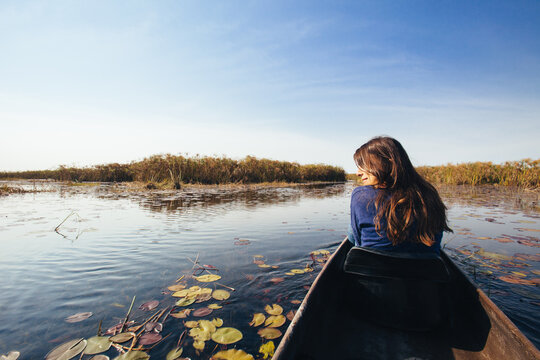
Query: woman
point(395, 209)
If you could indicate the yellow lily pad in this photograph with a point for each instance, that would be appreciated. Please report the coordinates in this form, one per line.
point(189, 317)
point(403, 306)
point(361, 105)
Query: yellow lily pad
point(275, 321)
point(207, 278)
point(198, 345)
point(191, 324)
point(217, 322)
point(258, 256)
point(221, 294)
point(207, 325)
point(227, 335)
point(232, 354)
point(199, 334)
point(297, 271)
point(267, 350)
point(290, 273)
point(263, 265)
point(214, 306)
point(176, 287)
point(258, 319)
point(269, 333)
point(181, 293)
point(275, 309)
point(182, 314)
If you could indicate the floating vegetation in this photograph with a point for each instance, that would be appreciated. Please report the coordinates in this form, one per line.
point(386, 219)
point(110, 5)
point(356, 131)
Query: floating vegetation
point(78, 317)
point(134, 339)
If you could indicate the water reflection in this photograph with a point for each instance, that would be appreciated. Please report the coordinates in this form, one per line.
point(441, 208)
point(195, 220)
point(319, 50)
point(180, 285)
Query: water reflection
point(138, 243)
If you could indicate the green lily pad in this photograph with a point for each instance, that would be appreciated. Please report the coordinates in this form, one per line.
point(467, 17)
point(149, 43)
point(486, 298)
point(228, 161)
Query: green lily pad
point(122, 337)
point(133, 355)
point(185, 302)
point(174, 354)
point(67, 350)
point(97, 344)
point(100, 357)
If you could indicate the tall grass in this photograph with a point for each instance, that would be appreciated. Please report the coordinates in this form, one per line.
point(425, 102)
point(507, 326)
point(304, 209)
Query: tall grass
point(524, 173)
point(178, 169)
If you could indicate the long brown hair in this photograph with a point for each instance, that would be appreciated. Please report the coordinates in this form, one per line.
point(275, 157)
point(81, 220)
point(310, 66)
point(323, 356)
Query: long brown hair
point(411, 206)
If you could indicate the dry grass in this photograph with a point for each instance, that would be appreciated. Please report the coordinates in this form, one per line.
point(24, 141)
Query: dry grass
point(524, 174)
point(176, 170)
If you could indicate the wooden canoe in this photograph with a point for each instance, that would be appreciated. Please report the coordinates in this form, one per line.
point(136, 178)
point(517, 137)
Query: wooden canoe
point(329, 324)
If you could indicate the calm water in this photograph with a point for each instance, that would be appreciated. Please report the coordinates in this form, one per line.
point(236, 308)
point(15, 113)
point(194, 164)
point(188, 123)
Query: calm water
point(120, 244)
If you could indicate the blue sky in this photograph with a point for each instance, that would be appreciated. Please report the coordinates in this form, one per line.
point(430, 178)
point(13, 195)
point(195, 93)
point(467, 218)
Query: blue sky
point(90, 82)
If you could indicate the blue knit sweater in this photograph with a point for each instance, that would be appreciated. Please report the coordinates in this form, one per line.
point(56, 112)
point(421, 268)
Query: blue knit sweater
point(362, 229)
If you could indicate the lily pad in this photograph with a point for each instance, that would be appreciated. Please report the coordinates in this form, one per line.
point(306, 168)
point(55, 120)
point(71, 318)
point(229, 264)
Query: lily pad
point(232, 354)
point(97, 344)
point(258, 319)
point(176, 287)
point(153, 326)
point(297, 271)
point(149, 338)
point(227, 335)
point(275, 321)
point(185, 302)
point(269, 333)
point(267, 350)
point(202, 298)
point(12, 355)
point(78, 317)
point(149, 305)
point(199, 345)
point(100, 357)
point(221, 294)
point(202, 312)
point(207, 278)
point(122, 337)
point(67, 350)
point(174, 354)
point(290, 315)
point(217, 322)
point(275, 309)
point(181, 293)
point(133, 355)
point(182, 314)
point(214, 306)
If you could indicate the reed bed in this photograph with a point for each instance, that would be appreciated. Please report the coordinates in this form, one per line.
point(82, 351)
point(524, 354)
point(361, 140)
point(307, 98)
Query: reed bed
point(524, 173)
point(178, 169)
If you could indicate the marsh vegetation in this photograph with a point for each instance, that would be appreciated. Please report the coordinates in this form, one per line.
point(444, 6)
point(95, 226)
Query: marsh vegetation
point(176, 170)
point(524, 173)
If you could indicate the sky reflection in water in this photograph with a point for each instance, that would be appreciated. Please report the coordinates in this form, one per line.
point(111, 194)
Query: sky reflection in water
point(128, 243)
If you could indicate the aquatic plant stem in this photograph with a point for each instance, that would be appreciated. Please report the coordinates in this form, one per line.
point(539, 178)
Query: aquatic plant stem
point(127, 315)
point(225, 286)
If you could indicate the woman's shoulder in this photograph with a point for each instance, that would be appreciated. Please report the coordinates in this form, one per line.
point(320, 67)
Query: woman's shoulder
point(364, 191)
point(364, 194)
